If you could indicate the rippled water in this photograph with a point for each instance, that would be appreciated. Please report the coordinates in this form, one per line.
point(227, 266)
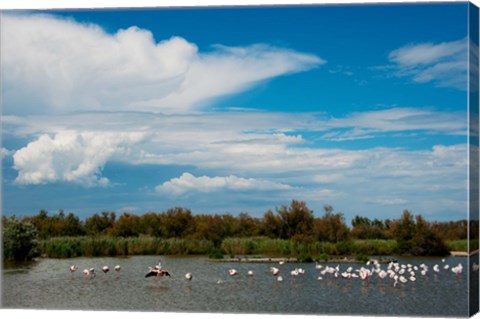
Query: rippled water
point(48, 284)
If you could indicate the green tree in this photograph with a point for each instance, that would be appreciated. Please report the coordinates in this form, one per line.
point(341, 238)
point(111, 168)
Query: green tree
point(100, 225)
point(296, 219)
point(20, 239)
point(127, 225)
point(271, 225)
point(364, 228)
point(415, 236)
point(331, 227)
point(178, 222)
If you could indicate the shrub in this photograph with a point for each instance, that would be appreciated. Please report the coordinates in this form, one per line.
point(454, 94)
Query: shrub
point(215, 253)
point(20, 240)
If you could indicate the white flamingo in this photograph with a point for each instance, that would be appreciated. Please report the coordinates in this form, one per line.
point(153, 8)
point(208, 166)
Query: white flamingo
point(232, 272)
point(73, 268)
point(188, 276)
point(250, 273)
point(457, 269)
point(274, 271)
point(117, 268)
point(105, 269)
point(382, 274)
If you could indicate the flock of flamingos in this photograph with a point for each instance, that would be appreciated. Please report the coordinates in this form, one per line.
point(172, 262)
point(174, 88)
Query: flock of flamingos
point(395, 272)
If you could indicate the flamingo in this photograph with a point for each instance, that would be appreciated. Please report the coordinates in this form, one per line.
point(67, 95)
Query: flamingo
point(274, 271)
point(73, 268)
point(457, 269)
point(279, 279)
point(89, 272)
point(188, 276)
point(346, 275)
point(294, 273)
point(382, 274)
point(232, 272)
point(157, 272)
point(436, 268)
point(475, 267)
point(250, 273)
point(117, 268)
point(105, 269)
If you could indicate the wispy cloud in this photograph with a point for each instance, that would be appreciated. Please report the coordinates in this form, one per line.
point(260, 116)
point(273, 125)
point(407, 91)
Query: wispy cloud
point(52, 65)
point(74, 148)
point(4, 153)
point(444, 64)
point(369, 124)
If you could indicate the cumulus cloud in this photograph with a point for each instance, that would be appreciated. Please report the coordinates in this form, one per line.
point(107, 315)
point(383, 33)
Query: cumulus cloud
point(53, 65)
point(70, 156)
point(205, 184)
point(445, 64)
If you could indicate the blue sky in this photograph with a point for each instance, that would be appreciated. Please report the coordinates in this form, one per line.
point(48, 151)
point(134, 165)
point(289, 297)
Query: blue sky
point(362, 107)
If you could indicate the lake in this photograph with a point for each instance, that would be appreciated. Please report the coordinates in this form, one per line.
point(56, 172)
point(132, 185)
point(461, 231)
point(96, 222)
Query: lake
point(48, 284)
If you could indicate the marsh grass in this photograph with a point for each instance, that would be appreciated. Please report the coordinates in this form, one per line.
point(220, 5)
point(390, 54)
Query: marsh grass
point(66, 247)
point(462, 245)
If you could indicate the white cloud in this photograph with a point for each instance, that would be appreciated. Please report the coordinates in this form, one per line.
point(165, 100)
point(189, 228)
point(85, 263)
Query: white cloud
point(71, 157)
point(4, 153)
point(254, 144)
point(204, 184)
point(369, 124)
point(388, 201)
point(445, 63)
point(52, 65)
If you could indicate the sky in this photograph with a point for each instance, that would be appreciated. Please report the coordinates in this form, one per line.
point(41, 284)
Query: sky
point(229, 110)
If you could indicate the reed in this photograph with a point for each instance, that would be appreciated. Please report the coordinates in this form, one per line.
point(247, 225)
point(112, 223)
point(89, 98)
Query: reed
point(66, 247)
point(462, 245)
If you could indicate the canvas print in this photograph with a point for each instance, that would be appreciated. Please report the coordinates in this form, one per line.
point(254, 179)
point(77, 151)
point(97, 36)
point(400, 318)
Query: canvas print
point(273, 159)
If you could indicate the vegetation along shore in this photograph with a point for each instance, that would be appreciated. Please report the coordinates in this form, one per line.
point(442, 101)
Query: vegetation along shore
point(291, 232)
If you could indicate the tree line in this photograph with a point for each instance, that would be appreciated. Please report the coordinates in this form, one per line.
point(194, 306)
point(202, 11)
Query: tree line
point(413, 234)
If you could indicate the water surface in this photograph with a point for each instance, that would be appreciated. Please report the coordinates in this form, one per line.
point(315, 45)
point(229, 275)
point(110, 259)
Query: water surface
point(48, 284)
